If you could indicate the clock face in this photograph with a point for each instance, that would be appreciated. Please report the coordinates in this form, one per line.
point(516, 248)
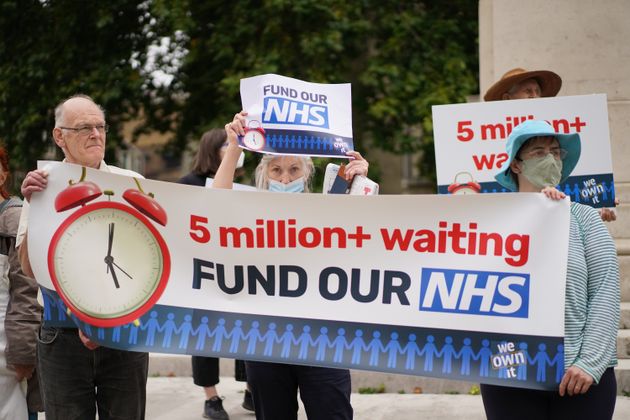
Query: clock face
point(108, 263)
point(254, 139)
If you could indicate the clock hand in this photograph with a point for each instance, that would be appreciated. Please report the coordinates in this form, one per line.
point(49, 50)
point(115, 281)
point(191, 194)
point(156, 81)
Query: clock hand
point(118, 267)
point(109, 259)
point(110, 240)
point(111, 267)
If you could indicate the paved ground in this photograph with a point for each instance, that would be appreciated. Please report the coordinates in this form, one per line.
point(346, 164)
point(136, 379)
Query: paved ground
point(179, 399)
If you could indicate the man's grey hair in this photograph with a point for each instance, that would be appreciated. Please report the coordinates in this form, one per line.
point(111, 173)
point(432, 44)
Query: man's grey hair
point(60, 108)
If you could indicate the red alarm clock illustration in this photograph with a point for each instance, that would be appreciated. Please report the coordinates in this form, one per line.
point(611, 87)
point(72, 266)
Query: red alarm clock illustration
point(469, 187)
point(255, 137)
point(107, 261)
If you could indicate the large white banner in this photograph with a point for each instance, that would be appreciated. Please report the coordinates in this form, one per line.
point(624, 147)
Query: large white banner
point(470, 143)
point(488, 268)
point(290, 116)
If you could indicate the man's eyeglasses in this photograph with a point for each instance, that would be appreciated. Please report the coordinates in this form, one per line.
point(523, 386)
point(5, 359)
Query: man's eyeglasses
point(86, 130)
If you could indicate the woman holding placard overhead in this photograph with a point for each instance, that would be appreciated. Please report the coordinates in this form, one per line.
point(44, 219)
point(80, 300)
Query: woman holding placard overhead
point(325, 392)
point(539, 159)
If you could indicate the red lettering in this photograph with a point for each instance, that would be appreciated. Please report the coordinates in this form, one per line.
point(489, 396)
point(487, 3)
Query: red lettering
point(199, 232)
point(315, 237)
point(451, 237)
point(464, 132)
point(490, 161)
point(359, 236)
point(564, 126)
point(560, 126)
point(578, 124)
point(287, 234)
point(493, 131)
point(501, 159)
point(396, 239)
point(236, 234)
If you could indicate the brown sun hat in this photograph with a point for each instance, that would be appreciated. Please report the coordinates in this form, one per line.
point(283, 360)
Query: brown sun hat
point(549, 82)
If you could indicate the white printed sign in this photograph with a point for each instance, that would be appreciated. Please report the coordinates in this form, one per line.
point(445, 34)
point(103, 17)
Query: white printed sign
point(470, 143)
point(423, 254)
point(458, 287)
point(290, 116)
point(236, 186)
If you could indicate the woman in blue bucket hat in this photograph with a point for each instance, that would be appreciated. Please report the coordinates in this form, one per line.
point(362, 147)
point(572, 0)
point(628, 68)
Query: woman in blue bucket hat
point(539, 159)
point(547, 158)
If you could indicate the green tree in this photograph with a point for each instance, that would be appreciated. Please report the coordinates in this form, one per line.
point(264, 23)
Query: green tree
point(424, 53)
point(229, 41)
point(50, 50)
point(401, 58)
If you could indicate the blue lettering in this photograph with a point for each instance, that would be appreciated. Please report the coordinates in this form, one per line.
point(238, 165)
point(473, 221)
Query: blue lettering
point(286, 111)
point(275, 110)
point(474, 292)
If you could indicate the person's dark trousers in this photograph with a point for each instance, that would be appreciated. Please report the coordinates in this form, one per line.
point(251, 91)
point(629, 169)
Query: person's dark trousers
point(325, 392)
point(240, 374)
point(518, 403)
point(205, 371)
point(75, 380)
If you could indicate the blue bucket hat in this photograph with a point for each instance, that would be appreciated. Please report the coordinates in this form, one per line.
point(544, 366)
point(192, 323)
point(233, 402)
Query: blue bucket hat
point(537, 128)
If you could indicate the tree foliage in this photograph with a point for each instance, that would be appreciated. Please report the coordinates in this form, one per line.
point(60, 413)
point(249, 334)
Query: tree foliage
point(401, 58)
point(50, 50)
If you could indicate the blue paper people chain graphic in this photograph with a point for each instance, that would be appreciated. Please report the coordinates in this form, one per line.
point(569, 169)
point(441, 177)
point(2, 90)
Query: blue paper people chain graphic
point(579, 193)
point(306, 143)
point(177, 331)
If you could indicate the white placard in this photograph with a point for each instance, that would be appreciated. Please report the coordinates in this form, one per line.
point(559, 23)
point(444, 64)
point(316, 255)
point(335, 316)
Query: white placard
point(493, 263)
point(470, 142)
point(291, 116)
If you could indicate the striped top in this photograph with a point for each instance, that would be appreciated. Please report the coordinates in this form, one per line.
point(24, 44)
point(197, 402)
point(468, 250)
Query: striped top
point(592, 302)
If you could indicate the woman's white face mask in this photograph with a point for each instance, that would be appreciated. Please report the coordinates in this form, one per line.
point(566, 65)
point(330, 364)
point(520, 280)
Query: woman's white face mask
point(542, 172)
point(295, 186)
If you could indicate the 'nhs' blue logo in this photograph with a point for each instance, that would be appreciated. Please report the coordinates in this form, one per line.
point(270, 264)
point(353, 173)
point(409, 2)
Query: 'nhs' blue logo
point(474, 292)
point(286, 111)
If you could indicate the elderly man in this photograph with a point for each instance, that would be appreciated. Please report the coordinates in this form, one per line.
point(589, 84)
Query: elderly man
point(519, 83)
point(77, 376)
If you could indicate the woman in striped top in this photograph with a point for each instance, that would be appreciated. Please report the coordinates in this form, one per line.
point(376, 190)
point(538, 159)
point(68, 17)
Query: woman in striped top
point(539, 159)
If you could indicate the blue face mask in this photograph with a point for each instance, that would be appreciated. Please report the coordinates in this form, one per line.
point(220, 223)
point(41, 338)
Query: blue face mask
point(296, 186)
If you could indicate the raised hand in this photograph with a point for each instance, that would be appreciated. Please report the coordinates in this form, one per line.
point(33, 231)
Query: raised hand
point(356, 166)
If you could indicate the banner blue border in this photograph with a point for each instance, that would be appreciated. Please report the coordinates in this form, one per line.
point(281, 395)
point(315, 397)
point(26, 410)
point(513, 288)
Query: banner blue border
point(535, 362)
point(594, 190)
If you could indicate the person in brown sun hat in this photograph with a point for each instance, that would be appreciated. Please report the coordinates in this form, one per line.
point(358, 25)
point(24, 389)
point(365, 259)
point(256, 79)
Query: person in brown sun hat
point(519, 83)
